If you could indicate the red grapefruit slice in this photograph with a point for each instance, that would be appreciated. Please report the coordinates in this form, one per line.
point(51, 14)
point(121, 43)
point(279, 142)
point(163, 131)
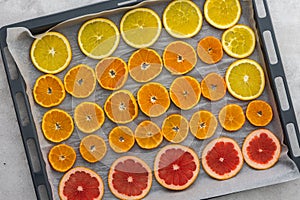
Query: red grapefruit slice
point(129, 178)
point(222, 158)
point(81, 183)
point(261, 149)
point(176, 167)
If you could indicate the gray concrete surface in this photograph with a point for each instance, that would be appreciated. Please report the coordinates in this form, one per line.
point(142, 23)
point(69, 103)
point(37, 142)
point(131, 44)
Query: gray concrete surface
point(15, 180)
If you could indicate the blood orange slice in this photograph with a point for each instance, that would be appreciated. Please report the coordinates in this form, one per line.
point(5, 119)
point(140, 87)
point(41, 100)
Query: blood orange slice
point(261, 149)
point(129, 178)
point(81, 183)
point(176, 167)
point(222, 158)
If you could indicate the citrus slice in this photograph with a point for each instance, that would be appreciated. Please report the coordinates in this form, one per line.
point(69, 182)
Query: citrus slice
point(245, 79)
point(88, 117)
point(48, 91)
point(222, 158)
point(92, 148)
point(140, 27)
point(80, 81)
point(203, 124)
point(213, 87)
point(121, 139)
point(259, 113)
point(176, 167)
point(144, 65)
point(153, 99)
point(261, 149)
point(182, 19)
point(179, 57)
point(239, 41)
point(57, 125)
point(148, 135)
point(98, 38)
point(51, 53)
point(61, 157)
point(111, 73)
point(81, 183)
point(129, 177)
point(121, 107)
point(210, 50)
point(232, 117)
point(222, 14)
point(185, 92)
point(175, 128)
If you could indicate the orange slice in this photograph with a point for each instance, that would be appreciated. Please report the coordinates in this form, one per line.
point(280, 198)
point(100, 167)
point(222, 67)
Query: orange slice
point(175, 128)
point(153, 99)
point(80, 81)
point(48, 91)
point(61, 157)
point(213, 87)
point(203, 124)
point(144, 65)
point(210, 50)
point(88, 117)
point(185, 92)
point(121, 107)
point(92, 148)
point(148, 135)
point(111, 73)
point(259, 113)
point(232, 117)
point(121, 139)
point(179, 57)
point(57, 125)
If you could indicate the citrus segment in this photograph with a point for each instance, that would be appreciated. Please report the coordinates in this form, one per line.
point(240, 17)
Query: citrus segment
point(210, 50)
point(98, 38)
point(111, 73)
point(144, 65)
point(48, 91)
point(176, 167)
point(259, 113)
point(51, 53)
point(121, 139)
point(140, 27)
point(80, 81)
point(129, 178)
point(92, 148)
point(179, 57)
point(213, 87)
point(61, 157)
point(148, 135)
point(232, 117)
point(175, 128)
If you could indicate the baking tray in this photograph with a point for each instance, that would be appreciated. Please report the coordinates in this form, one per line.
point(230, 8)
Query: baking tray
point(267, 39)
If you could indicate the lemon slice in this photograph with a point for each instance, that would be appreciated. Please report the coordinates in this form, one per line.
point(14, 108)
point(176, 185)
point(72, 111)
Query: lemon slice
point(222, 14)
point(245, 79)
point(51, 53)
point(140, 27)
point(182, 19)
point(98, 38)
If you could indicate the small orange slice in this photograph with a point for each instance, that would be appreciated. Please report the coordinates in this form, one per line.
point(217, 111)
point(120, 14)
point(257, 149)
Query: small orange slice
point(62, 157)
point(88, 117)
point(121, 107)
point(232, 117)
point(185, 92)
point(175, 128)
point(148, 135)
point(57, 125)
point(144, 65)
point(203, 124)
point(210, 50)
point(111, 73)
point(48, 91)
point(80, 81)
point(153, 99)
point(179, 57)
point(121, 139)
point(92, 148)
point(259, 113)
point(213, 87)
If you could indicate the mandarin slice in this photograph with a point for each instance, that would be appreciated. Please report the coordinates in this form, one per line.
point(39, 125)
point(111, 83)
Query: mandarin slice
point(121, 139)
point(210, 50)
point(61, 157)
point(92, 148)
point(213, 87)
point(175, 128)
point(259, 113)
point(148, 135)
point(232, 117)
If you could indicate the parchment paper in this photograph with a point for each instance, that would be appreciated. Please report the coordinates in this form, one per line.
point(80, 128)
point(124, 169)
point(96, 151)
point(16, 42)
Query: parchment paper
point(19, 41)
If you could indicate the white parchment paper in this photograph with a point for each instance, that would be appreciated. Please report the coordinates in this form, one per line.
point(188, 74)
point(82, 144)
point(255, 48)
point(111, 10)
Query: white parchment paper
point(19, 41)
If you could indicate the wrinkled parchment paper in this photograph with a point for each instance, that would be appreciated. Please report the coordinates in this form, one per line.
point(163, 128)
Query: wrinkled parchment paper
point(19, 42)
